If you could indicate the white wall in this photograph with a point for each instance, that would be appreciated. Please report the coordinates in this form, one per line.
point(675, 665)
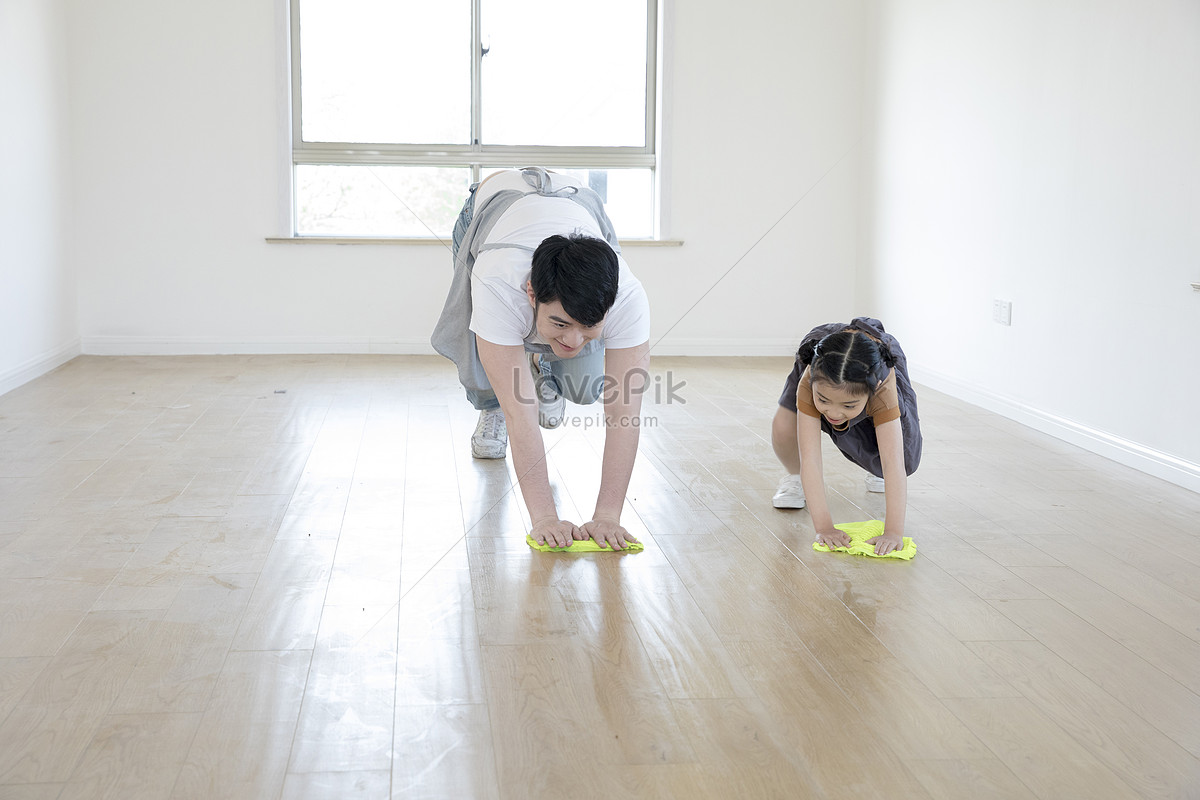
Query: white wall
point(1047, 154)
point(179, 150)
point(1042, 153)
point(764, 149)
point(38, 319)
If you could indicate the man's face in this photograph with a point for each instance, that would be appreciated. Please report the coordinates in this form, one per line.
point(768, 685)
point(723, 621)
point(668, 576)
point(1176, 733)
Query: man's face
point(565, 336)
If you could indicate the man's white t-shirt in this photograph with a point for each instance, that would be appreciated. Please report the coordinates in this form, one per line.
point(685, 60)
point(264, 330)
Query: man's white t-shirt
point(501, 312)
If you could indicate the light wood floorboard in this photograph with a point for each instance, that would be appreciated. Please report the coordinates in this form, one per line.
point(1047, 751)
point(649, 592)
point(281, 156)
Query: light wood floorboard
point(285, 577)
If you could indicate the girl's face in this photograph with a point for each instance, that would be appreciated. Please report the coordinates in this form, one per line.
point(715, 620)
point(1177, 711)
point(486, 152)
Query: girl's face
point(835, 403)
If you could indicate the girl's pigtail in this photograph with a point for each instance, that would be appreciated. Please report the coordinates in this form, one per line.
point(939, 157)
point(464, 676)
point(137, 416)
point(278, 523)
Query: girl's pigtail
point(807, 352)
point(886, 362)
point(885, 354)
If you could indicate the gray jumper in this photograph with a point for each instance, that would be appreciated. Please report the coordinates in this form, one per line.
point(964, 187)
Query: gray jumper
point(452, 336)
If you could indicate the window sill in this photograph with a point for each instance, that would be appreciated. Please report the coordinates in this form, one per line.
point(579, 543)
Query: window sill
point(426, 241)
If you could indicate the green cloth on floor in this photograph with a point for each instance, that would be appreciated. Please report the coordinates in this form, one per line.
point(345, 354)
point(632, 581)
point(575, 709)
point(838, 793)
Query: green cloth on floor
point(859, 532)
point(584, 546)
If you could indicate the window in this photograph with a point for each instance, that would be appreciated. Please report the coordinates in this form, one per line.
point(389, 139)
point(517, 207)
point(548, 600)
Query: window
point(399, 105)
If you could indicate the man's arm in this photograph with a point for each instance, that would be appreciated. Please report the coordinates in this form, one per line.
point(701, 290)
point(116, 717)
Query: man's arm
point(507, 368)
point(626, 370)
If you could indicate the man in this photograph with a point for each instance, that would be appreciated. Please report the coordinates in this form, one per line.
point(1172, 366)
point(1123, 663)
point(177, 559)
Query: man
point(543, 306)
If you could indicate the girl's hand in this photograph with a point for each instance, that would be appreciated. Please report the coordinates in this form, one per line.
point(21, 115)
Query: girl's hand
point(833, 537)
point(886, 542)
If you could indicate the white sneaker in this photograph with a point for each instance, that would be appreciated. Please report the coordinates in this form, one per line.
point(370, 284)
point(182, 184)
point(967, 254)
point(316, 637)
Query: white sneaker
point(790, 493)
point(551, 405)
point(490, 439)
point(874, 484)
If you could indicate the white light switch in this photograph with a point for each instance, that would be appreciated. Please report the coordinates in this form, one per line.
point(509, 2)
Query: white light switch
point(1002, 311)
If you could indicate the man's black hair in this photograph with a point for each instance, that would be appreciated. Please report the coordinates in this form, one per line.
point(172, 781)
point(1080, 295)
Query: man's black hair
point(580, 272)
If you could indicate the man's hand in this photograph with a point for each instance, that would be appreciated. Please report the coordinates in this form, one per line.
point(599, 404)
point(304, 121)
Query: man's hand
point(555, 532)
point(833, 537)
point(607, 532)
point(886, 543)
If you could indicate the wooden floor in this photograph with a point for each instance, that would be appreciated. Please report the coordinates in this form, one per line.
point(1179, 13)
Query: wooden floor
point(265, 577)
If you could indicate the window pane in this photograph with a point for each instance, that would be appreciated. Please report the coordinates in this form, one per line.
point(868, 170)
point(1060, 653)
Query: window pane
point(385, 71)
point(379, 201)
point(628, 196)
point(564, 72)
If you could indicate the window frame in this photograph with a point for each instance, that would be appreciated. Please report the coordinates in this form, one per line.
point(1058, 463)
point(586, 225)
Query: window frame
point(476, 156)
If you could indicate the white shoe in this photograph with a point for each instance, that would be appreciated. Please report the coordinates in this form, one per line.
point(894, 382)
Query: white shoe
point(551, 405)
point(874, 484)
point(490, 439)
point(790, 493)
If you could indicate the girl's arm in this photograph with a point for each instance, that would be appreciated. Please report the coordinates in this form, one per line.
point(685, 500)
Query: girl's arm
point(890, 436)
point(812, 477)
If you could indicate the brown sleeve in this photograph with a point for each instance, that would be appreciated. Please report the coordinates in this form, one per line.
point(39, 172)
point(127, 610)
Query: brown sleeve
point(884, 405)
point(804, 395)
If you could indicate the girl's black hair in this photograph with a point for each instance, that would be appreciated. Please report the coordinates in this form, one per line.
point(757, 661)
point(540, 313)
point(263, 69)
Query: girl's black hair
point(849, 359)
point(580, 272)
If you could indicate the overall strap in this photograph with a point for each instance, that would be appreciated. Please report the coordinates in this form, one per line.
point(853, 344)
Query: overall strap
point(542, 183)
point(505, 245)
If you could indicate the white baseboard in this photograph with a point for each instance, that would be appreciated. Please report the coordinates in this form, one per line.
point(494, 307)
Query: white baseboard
point(669, 346)
point(180, 346)
point(38, 366)
point(1144, 459)
point(1124, 451)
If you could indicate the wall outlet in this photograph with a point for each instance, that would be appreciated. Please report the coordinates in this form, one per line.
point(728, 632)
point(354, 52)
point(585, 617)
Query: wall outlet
point(1002, 311)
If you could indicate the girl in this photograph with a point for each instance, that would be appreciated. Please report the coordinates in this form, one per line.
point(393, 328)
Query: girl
point(850, 381)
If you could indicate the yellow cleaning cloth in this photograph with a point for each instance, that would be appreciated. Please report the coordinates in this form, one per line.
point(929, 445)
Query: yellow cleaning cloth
point(584, 546)
point(859, 533)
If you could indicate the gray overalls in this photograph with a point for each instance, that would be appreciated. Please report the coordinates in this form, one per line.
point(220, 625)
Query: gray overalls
point(579, 379)
point(857, 442)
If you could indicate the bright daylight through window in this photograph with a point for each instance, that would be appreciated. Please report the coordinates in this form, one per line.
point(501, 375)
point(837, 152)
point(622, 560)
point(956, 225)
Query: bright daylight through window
point(399, 105)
